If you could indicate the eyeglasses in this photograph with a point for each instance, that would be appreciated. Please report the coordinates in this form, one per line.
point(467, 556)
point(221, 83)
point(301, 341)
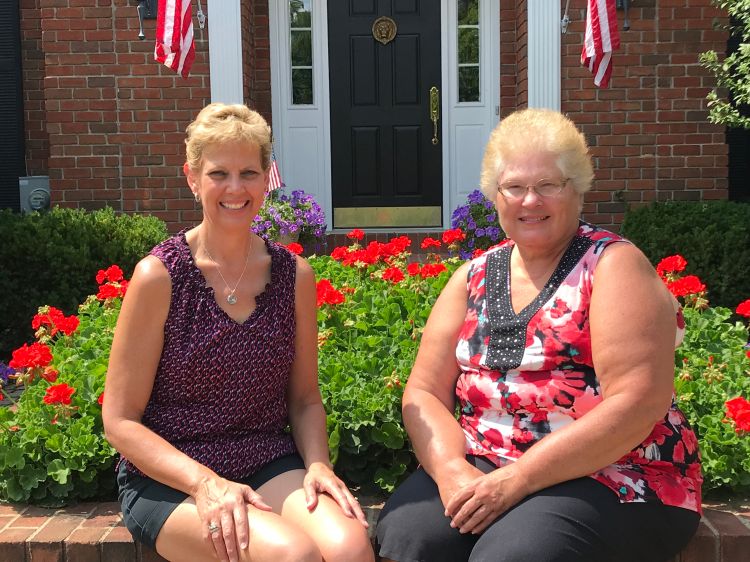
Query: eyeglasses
point(543, 188)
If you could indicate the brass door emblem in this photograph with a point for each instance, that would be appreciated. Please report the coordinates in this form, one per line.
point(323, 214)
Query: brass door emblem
point(384, 30)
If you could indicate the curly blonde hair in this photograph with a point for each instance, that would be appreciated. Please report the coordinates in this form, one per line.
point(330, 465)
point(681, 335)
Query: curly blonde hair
point(220, 123)
point(537, 130)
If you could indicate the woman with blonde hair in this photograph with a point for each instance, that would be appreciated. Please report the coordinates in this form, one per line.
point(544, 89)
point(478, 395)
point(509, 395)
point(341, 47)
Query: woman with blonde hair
point(214, 356)
point(557, 345)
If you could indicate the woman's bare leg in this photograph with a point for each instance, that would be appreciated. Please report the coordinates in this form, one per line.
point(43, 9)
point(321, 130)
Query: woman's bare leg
point(272, 539)
point(338, 537)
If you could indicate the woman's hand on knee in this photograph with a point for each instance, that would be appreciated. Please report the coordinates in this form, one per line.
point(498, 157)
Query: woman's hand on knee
point(320, 478)
point(222, 508)
point(476, 505)
point(453, 476)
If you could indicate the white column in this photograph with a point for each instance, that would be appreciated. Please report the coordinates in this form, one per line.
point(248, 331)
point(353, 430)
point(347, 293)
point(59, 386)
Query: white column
point(543, 24)
point(225, 50)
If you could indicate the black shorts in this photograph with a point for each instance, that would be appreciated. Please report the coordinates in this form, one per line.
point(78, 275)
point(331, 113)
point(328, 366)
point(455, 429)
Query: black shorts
point(579, 520)
point(147, 504)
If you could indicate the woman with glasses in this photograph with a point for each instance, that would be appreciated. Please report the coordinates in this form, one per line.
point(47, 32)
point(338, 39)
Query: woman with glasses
point(555, 352)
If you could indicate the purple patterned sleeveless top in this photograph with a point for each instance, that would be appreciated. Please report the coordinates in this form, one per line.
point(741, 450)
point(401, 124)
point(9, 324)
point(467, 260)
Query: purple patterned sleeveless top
point(219, 395)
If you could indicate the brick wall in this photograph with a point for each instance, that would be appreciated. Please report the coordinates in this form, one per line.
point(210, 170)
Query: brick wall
point(35, 125)
point(649, 131)
point(115, 118)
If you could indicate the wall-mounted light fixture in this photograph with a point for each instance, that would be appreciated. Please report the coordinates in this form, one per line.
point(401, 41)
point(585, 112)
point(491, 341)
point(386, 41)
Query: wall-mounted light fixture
point(623, 5)
point(146, 11)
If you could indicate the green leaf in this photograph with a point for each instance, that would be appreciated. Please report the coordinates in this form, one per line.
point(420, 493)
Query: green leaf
point(58, 471)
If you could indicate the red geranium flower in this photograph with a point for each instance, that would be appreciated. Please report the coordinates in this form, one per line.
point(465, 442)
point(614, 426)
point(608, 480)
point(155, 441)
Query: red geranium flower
point(101, 399)
point(413, 269)
point(432, 270)
point(48, 316)
point(295, 248)
point(113, 274)
point(327, 294)
point(54, 319)
point(355, 234)
point(671, 264)
point(59, 394)
point(399, 244)
point(49, 374)
point(738, 410)
point(743, 309)
point(688, 285)
point(453, 235)
point(339, 253)
point(430, 243)
point(31, 356)
point(68, 324)
point(108, 291)
point(393, 274)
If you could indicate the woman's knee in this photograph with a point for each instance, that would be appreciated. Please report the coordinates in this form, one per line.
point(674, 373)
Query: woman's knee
point(347, 548)
point(274, 539)
point(285, 545)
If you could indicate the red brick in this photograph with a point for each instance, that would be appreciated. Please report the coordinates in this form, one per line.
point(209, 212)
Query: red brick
point(13, 544)
point(83, 544)
point(105, 515)
point(735, 537)
point(704, 546)
point(12, 509)
point(118, 546)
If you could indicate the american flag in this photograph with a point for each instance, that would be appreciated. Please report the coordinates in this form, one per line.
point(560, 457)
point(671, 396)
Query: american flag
point(274, 177)
point(174, 35)
point(601, 38)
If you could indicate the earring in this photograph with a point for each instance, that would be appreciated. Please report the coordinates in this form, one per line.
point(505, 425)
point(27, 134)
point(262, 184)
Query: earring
point(197, 197)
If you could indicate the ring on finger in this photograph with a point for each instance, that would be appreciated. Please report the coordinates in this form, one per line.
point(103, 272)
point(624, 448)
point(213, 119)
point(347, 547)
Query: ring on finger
point(213, 528)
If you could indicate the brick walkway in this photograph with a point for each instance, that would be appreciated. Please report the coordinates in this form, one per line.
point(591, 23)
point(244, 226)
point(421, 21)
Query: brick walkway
point(93, 532)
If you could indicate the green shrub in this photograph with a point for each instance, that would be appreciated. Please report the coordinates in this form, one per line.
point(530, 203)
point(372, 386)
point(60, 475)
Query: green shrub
point(714, 237)
point(52, 258)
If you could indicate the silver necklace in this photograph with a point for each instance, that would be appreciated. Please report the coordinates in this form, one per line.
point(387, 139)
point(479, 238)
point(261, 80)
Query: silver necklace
point(231, 297)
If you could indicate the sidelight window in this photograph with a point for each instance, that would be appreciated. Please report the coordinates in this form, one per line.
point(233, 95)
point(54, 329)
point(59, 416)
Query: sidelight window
point(468, 50)
point(300, 32)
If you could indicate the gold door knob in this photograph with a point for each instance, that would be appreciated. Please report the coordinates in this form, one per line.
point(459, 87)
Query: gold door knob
point(435, 112)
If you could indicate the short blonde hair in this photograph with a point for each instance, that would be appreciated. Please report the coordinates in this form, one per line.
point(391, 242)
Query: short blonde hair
point(220, 123)
point(537, 130)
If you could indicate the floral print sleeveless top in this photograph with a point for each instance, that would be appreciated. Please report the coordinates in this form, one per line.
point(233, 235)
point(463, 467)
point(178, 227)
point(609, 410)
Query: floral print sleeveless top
point(525, 375)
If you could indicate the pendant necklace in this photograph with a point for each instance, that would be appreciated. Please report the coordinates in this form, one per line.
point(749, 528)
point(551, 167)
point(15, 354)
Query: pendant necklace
point(231, 297)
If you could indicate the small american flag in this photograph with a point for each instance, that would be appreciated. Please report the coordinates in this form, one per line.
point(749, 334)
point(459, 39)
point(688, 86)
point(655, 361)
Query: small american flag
point(174, 35)
point(601, 38)
point(274, 177)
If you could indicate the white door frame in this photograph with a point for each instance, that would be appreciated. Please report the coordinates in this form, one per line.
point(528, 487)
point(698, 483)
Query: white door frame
point(302, 133)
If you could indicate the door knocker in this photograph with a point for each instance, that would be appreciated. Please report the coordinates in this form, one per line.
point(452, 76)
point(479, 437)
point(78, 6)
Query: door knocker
point(384, 30)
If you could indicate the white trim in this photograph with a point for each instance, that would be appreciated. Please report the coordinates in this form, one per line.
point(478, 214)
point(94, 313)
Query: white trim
point(301, 132)
point(544, 71)
point(467, 125)
point(225, 50)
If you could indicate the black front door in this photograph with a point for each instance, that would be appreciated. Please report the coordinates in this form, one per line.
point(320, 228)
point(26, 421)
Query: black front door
point(386, 165)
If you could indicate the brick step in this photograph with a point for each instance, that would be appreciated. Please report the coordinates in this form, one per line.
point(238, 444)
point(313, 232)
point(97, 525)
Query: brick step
point(93, 532)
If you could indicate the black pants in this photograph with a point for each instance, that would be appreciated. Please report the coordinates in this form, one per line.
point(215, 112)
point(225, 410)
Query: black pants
point(577, 521)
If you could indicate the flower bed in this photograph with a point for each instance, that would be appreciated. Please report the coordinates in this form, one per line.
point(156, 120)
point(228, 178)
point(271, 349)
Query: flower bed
point(373, 303)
